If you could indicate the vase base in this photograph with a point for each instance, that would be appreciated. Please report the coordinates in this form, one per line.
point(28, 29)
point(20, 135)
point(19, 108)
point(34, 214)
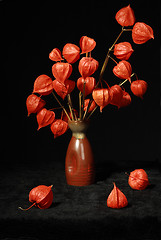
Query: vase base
point(86, 177)
point(80, 184)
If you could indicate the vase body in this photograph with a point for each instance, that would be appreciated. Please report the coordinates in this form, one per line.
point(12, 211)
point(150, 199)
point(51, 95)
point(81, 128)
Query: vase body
point(79, 162)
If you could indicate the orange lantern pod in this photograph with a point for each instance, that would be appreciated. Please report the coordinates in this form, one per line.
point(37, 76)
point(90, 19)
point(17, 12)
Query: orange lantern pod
point(116, 94)
point(34, 104)
point(116, 198)
point(90, 83)
point(41, 197)
point(71, 52)
point(87, 66)
point(87, 44)
point(139, 88)
point(125, 101)
point(61, 71)
point(59, 127)
point(63, 89)
point(43, 85)
point(92, 107)
point(123, 70)
point(138, 179)
point(45, 117)
point(55, 55)
point(125, 16)
point(141, 33)
point(102, 97)
point(123, 50)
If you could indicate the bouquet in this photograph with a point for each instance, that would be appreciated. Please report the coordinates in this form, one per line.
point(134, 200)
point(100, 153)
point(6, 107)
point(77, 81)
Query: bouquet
point(92, 93)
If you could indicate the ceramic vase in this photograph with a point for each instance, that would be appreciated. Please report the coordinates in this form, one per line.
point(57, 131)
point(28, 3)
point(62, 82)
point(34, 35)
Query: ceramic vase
point(79, 162)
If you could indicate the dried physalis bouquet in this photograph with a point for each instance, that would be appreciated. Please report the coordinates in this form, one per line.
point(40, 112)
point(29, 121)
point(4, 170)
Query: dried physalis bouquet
point(93, 93)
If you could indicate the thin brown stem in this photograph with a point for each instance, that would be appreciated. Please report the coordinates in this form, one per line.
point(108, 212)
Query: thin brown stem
point(107, 57)
point(89, 104)
point(70, 106)
point(127, 30)
point(80, 105)
point(60, 105)
point(26, 209)
point(55, 108)
point(126, 80)
point(110, 49)
point(103, 68)
point(84, 85)
point(113, 60)
point(73, 111)
point(92, 112)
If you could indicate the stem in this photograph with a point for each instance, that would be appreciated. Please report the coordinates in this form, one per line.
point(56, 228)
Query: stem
point(107, 57)
point(55, 108)
point(126, 30)
point(103, 67)
point(84, 85)
point(70, 106)
point(25, 209)
point(73, 112)
point(89, 104)
point(106, 84)
point(110, 49)
point(61, 105)
point(80, 105)
point(113, 60)
point(126, 80)
point(136, 76)
point(92, 112)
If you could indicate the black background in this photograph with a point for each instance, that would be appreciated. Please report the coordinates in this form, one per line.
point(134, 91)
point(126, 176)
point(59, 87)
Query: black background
point(30, 30)
point(128, 137)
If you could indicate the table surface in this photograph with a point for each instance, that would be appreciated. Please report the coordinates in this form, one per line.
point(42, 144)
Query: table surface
point(79, 212)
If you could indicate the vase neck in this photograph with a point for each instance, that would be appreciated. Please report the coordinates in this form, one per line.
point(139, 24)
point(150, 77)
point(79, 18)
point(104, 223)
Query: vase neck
point(79, 135)
point(78, 128)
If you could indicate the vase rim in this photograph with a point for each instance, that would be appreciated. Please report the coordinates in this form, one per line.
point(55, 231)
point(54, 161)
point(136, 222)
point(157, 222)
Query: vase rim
point(78, 121)
point(78, 128)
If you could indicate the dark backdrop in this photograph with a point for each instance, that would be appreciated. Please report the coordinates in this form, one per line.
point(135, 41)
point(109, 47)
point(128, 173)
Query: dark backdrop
point(122, 140)
point(30, 30)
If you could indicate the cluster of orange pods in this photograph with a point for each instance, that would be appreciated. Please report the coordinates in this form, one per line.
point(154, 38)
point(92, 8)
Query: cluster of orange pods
point(138, 180)
point(42, 196)
point(86, 84)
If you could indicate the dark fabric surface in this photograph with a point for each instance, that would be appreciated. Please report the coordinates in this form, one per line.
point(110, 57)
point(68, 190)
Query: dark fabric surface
point(79, 212)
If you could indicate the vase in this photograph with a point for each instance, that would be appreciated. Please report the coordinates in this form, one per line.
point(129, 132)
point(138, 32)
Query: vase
point(79, 162)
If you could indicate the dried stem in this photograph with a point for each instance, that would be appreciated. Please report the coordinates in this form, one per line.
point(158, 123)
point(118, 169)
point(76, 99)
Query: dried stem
point(117, 39)
point(73, 112)
point(84, 85)
point(55, 108)
point(92, 112)
point(26, 209)
point(107, 57)
point(80, 105)
point(89, 104)
point(70, 106)
point(126, 80)
point(61, 105)
point(113, 60)
point(127, 30)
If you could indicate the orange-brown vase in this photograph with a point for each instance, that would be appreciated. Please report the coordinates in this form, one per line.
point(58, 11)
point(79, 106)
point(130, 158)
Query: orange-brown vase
point(79, 163)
